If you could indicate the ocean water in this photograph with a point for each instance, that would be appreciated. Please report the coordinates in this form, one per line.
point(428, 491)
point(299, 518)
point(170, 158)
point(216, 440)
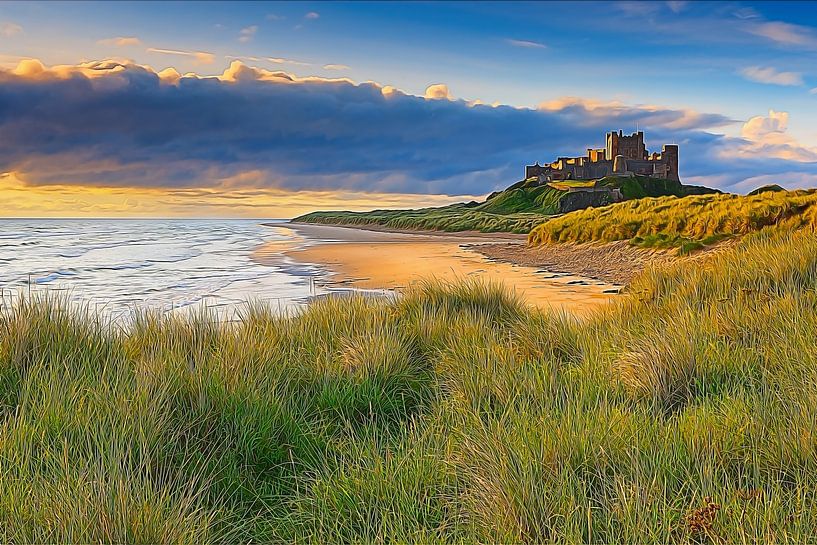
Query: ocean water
point(116, 266)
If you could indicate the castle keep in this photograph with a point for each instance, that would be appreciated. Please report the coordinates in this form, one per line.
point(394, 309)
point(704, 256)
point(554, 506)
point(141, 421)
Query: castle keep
point(623, 155)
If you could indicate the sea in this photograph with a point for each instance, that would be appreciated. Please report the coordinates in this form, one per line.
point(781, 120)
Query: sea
point(118, 266)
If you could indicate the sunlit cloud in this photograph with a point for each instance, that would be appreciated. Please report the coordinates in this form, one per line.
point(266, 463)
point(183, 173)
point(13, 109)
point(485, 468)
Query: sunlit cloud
point(121, 41)
point(9, 29)
point(312, 15)
point(248, 58)
point(201, 57)
point(530, 44)
point(126, 126)
point(621, 114)
point(278, 60)
point(438, 91)
point(772, 76)
point(767, 136)
point(246, 34)
point(335, 67)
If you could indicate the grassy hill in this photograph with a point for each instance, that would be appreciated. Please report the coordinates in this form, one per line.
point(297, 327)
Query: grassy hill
point(688, 222)
point(683, 414)
point(517, 209)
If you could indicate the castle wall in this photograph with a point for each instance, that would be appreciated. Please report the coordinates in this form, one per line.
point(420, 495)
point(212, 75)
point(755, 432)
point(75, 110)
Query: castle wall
point(622, 154)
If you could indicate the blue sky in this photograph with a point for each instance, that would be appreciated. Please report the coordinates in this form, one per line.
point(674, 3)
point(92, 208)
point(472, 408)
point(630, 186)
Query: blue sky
point(742, 77)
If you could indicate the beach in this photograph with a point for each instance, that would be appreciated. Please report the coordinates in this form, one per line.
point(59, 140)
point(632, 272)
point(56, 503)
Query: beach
point(389, 260)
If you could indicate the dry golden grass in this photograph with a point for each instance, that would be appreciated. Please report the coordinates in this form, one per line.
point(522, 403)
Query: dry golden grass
point(673, 220)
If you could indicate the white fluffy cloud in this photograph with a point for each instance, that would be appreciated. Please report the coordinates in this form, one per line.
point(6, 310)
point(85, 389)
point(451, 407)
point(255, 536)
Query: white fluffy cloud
point(767, 136)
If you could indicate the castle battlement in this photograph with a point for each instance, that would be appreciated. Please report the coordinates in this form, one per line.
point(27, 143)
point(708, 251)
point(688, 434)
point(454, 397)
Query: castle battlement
point(622, 155)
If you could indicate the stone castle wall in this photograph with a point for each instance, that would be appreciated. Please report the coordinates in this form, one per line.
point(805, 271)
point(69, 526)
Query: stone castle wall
point(623, 155)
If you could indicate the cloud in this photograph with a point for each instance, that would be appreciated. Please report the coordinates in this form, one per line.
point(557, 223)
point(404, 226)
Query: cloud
point(312, 15)
point(677, 6)
point(438, 91)
point(275, 17)
point(121, 41)
point(121, 125)
point(526, 43)
point(785, 33)
point(8, 29)
point(772, 76)
point(767, 136)
point(201, 57)
point(624, 115)
point(746, 13)
point(247, 33)
point(335, 67)
point(278, 60)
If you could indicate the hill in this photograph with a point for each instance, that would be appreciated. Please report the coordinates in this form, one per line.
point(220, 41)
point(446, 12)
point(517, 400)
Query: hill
point(687, 222)
point(517, 209)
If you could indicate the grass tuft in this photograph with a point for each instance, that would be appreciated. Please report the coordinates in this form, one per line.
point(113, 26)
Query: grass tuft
point(454, 414)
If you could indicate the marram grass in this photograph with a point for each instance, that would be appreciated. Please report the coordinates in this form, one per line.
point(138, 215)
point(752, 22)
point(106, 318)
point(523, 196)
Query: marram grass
point(687, 222)
point(683, 414)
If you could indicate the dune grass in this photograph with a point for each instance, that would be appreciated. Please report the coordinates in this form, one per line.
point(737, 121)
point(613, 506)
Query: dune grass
point(686, 222)
point(684, 413)
point(453, 218)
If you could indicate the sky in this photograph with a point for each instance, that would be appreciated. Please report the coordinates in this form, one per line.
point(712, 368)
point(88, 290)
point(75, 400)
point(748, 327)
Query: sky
point(273, 109)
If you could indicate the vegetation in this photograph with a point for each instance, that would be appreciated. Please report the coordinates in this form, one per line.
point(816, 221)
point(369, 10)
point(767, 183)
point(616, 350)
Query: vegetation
point(517, 209)
point(456, 217)
point(684, 413)
point(766, 189)
point(687, 222)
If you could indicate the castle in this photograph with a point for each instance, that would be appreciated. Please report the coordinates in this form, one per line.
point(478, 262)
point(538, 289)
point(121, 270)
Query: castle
point(623, 155)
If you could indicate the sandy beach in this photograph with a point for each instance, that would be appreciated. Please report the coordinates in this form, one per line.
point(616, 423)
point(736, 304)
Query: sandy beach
point(379, 259)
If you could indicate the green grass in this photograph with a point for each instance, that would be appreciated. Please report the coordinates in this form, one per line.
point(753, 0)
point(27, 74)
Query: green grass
point(452, 218)
point(681, 222)
point(517, 209)
point(451, 415)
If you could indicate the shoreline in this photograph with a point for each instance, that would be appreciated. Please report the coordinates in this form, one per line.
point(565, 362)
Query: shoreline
point(615, 263)
point(381, 259)
point(375, 228)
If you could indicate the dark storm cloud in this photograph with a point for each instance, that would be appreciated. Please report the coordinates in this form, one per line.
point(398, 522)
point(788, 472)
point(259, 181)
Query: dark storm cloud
point(125, 125)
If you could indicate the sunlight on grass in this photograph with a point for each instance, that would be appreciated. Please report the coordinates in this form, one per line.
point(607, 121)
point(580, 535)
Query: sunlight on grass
point(685, 222)
point(454, 414)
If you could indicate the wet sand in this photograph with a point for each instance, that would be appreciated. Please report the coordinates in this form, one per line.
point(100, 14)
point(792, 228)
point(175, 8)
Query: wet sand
point(379, 259)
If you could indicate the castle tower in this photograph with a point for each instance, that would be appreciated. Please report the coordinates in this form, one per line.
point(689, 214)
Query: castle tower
point(611, 149)
point(669, 153)
point(632, 146)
